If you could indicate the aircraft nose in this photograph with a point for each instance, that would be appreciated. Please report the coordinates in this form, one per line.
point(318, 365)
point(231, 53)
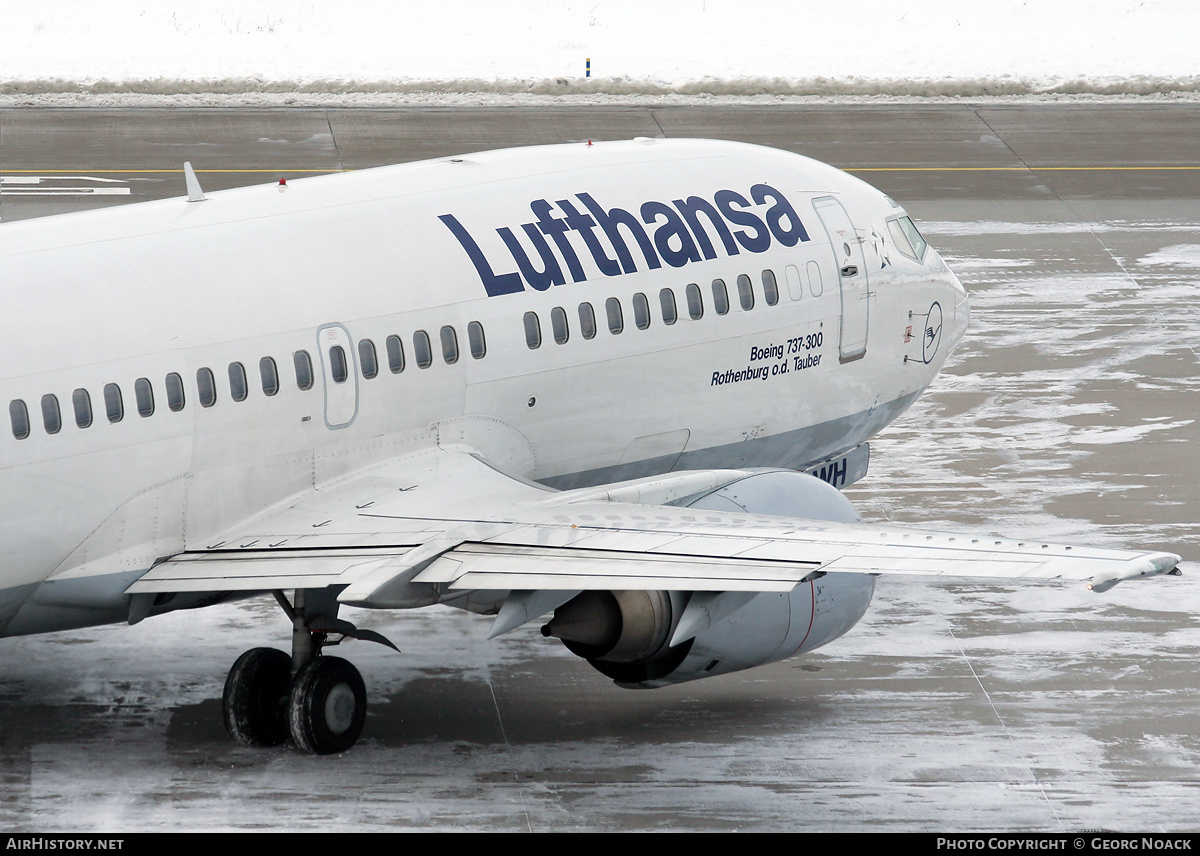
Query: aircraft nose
point(962, 315)
point(962, 307)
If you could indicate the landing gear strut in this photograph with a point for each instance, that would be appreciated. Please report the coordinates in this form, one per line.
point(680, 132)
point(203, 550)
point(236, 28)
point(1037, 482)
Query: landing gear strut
point(318, 701)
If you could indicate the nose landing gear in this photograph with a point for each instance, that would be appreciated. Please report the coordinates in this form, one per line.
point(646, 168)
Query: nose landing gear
point(319, 702)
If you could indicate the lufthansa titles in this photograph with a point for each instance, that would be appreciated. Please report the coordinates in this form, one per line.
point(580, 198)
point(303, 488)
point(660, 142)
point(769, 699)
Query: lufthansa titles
point(571, 235)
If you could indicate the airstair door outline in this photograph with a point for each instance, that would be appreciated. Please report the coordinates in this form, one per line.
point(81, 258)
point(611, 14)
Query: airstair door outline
point(338, 375)
point(851, 270)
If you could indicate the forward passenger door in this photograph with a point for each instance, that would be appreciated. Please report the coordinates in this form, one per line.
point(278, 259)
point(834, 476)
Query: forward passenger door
point(851, 274)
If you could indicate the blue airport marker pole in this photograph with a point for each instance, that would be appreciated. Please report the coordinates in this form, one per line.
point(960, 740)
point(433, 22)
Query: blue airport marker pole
point(588, 67)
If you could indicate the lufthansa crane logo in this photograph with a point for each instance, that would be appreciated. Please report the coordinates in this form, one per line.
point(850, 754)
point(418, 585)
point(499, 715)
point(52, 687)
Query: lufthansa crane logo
point(933, 333)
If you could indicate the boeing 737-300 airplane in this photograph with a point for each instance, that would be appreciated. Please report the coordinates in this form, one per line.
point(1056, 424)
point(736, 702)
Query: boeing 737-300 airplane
point(578, 383)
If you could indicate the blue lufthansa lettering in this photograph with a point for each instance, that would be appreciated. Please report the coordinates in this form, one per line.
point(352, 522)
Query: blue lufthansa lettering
point(673, 240)
point(550, 274)
point(761, 240)
point(689, 229)
point(557, 230)
point(610, 222)
point(585, 226)
point(782, 209)
point(691, 208)
point(507, 283)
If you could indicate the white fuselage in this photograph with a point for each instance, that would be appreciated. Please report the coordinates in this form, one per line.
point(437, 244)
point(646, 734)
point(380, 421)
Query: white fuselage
point(132, 298)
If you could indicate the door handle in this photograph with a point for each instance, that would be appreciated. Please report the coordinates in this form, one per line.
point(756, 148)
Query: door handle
point(850, 270)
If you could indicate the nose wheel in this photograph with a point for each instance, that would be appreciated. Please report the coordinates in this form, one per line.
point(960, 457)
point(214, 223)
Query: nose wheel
point(319, 702)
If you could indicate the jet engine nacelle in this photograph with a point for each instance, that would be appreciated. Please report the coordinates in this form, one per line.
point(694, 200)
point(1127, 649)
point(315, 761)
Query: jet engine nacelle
point(626, 635)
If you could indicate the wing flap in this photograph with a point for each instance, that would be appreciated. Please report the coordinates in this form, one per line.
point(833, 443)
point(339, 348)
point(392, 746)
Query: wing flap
point(510, 566)
point(260, 570)
point(449, 522)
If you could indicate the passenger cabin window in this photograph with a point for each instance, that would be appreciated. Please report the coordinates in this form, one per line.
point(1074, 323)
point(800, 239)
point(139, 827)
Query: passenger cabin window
point(720, 297)
point(51, 417)
point(339, 366)
point(449, 345)
point(558, 323)
point(395, 354)
point(302, 362)
point(18, 415)
point(695, 302)
point(206, 387)
point(795, 282)
point(268, 374)
point(587, 321)
point(616, 319)
point(745, 292)
point(175, 397)
point(666, 302)
point(423, 349)
point(476, 341)
point(641, 311)
point(114, 404)
point(367, 361)
point(533, 331)
point(143, 394)
point(770, 287)
point(238, 387)
point(82, 402)
point(815, 285)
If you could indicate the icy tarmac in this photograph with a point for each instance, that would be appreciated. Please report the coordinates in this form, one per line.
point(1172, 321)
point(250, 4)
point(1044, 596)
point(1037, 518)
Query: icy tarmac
point(1068, 412)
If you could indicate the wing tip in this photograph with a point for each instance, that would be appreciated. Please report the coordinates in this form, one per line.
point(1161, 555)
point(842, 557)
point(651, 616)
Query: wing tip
point(1148, 565)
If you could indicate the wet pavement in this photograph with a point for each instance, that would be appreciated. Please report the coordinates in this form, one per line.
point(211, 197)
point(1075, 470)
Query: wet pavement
point(1067, 413)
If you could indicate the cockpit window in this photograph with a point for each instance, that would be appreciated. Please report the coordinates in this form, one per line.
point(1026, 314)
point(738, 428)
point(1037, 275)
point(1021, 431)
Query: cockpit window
point(906, 238)
point(914, 236)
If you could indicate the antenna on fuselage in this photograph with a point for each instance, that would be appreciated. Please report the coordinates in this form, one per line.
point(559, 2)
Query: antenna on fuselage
point(195, 194)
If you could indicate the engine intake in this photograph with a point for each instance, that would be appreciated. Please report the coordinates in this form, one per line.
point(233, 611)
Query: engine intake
point(626, 634)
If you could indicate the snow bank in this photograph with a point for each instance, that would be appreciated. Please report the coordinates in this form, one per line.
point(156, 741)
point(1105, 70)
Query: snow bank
point(686, 48)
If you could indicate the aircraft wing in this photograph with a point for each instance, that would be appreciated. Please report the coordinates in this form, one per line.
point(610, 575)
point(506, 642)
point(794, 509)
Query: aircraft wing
point(445, 519)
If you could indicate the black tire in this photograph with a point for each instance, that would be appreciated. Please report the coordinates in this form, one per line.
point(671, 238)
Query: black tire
point(255, 698)
point(327, 706)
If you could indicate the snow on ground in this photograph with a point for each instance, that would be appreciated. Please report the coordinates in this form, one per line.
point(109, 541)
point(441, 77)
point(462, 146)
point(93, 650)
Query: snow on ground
point(685, 48)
